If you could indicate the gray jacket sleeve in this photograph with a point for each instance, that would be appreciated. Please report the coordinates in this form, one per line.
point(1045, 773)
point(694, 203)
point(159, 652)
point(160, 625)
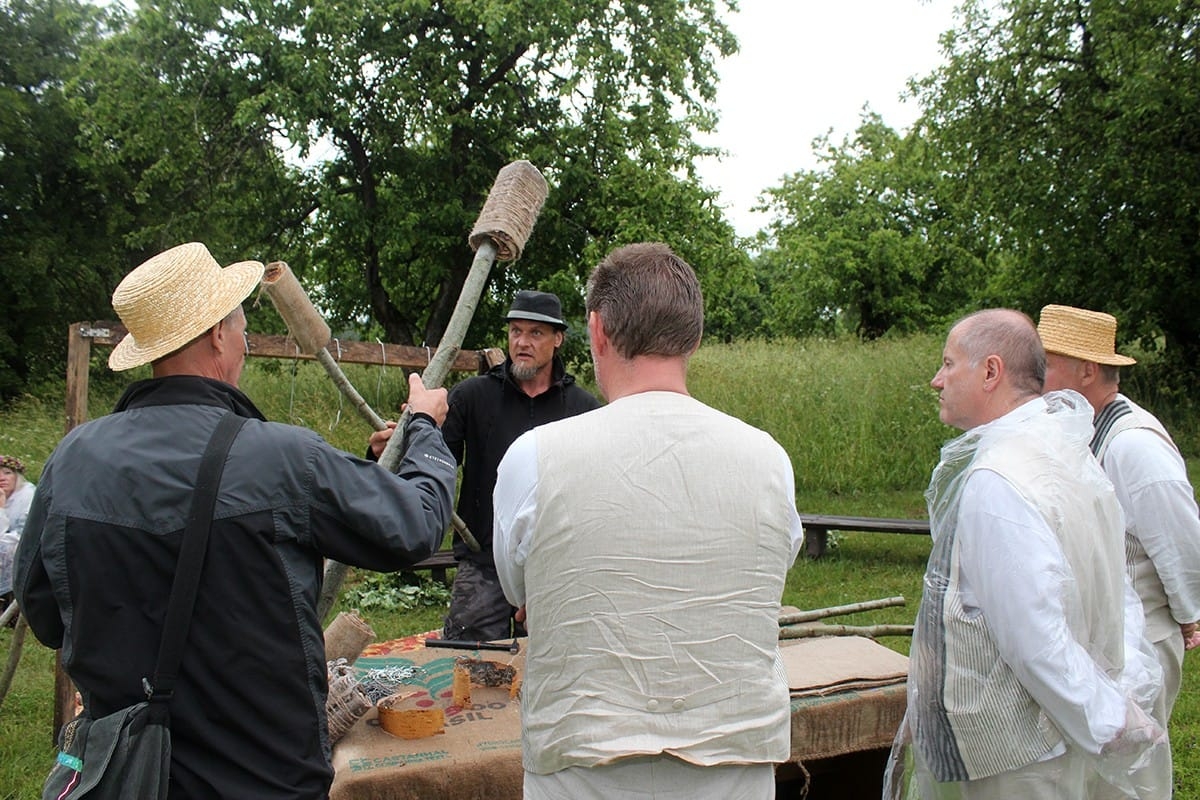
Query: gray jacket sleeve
point(364, 516)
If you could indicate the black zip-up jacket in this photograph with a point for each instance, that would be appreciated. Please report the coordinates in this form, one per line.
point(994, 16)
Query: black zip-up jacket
point(97, 557)
point(487, 414)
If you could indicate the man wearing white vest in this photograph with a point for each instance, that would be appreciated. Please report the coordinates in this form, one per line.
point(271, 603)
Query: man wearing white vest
point(648, 542)
point(1162, 526)
point(1029, 672)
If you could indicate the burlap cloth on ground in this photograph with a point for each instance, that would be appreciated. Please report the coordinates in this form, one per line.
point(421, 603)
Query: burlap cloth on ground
point(479, 755)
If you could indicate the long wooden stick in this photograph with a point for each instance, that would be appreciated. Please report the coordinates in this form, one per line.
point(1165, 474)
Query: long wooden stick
point(433, 376)
point(378, 423)
point(837, 611)
point(14, 655)
point(504, 224)
point(870, 631)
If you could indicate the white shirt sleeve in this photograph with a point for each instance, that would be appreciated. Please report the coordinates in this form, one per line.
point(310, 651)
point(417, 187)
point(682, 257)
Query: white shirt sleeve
point(514, 511)
point(1015, 573)
point(796, 528)
point(1160, 512)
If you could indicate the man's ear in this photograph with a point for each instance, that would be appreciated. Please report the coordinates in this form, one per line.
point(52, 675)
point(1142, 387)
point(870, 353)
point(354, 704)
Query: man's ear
point(596, 332)
point(993, 371)
point(1089, 373)
point(219, 336)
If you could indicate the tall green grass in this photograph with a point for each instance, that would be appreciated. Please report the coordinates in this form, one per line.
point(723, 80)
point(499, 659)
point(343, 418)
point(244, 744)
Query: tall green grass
point(858, 419)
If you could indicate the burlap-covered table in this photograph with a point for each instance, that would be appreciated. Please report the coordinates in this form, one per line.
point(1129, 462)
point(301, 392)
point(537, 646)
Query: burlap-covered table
point(848, 697)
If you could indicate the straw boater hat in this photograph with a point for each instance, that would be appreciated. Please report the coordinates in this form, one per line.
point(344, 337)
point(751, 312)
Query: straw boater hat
point(174, 297)
point(1082, 334)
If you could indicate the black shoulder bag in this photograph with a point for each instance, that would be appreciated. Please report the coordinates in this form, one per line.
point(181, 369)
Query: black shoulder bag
point(128, 753)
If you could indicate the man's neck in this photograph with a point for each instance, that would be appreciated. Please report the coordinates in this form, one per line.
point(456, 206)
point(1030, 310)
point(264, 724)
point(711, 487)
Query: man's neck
point(645, 374)
point(538, 384)
point(1103, 399)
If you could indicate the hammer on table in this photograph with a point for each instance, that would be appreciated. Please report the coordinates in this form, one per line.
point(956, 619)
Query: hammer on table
point(460, 644)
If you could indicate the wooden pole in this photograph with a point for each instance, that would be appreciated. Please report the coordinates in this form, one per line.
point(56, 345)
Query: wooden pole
point(79, 355)
point(837, 611)
point(870, 631)
point(14, 657)
point(501, 231)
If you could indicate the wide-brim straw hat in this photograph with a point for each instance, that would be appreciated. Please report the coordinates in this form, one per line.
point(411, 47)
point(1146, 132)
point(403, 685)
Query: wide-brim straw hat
point(1082, 334)
point(174, 297)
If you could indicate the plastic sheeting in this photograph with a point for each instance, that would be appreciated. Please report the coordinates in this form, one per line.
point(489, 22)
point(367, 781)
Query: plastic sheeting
point(1091, 698)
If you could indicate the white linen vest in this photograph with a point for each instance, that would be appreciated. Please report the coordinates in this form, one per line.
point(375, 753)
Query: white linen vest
point(661, 546)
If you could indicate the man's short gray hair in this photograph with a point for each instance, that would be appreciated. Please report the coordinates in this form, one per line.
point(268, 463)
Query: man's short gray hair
point(1012, 336)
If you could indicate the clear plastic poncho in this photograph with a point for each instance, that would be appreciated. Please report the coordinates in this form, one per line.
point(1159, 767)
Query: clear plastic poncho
point(1041, 449)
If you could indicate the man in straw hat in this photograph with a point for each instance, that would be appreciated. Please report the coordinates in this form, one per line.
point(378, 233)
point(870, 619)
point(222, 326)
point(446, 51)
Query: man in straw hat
point(98, 555)
point(648, 541)
point(1162, 529)
point(1024, 679)
point(487, 413)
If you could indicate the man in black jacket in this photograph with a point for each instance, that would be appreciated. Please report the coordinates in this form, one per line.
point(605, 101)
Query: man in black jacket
point(98, 554)
point(487, 414)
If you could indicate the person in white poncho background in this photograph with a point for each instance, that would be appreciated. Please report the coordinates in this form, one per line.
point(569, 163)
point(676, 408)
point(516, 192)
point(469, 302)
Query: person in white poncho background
point(1030, 675)
point(16, 494)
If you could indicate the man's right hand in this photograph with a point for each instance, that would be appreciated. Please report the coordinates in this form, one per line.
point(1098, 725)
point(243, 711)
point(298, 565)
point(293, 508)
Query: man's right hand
point(426, 401)
point(1191, 638)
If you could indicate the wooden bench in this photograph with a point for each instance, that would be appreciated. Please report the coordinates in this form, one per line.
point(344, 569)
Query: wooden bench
point(818, 526)
point(816, 536)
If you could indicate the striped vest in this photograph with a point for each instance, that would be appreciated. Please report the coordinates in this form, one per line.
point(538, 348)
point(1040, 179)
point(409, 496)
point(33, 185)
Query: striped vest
point(1117, 417)
point(1120, 415)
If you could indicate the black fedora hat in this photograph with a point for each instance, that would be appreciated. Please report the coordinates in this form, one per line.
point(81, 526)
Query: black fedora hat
point(538, 307)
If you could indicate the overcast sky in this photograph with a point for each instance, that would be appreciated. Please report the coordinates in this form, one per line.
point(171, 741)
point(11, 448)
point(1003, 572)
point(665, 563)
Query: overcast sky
point(806, 66)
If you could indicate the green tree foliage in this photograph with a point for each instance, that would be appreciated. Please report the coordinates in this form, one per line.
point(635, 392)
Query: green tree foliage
point(357, 140)
point(53, 251)
point(407, 109)
point(119, 137)
point(867, 242)
point(169, 129)
point(1074, 129)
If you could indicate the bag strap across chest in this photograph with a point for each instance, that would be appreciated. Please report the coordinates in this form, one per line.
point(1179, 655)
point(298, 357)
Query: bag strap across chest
point(191, 560)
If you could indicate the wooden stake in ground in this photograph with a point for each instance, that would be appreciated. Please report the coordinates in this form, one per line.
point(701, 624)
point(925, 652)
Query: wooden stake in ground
point(500, 232)
point(14, 655)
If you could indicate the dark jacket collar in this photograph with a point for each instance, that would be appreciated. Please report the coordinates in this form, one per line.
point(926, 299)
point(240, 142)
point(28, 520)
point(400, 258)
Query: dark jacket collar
point(187, 390)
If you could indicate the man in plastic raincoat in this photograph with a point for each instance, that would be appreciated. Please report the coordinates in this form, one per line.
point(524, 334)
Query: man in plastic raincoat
point(1029, 671)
